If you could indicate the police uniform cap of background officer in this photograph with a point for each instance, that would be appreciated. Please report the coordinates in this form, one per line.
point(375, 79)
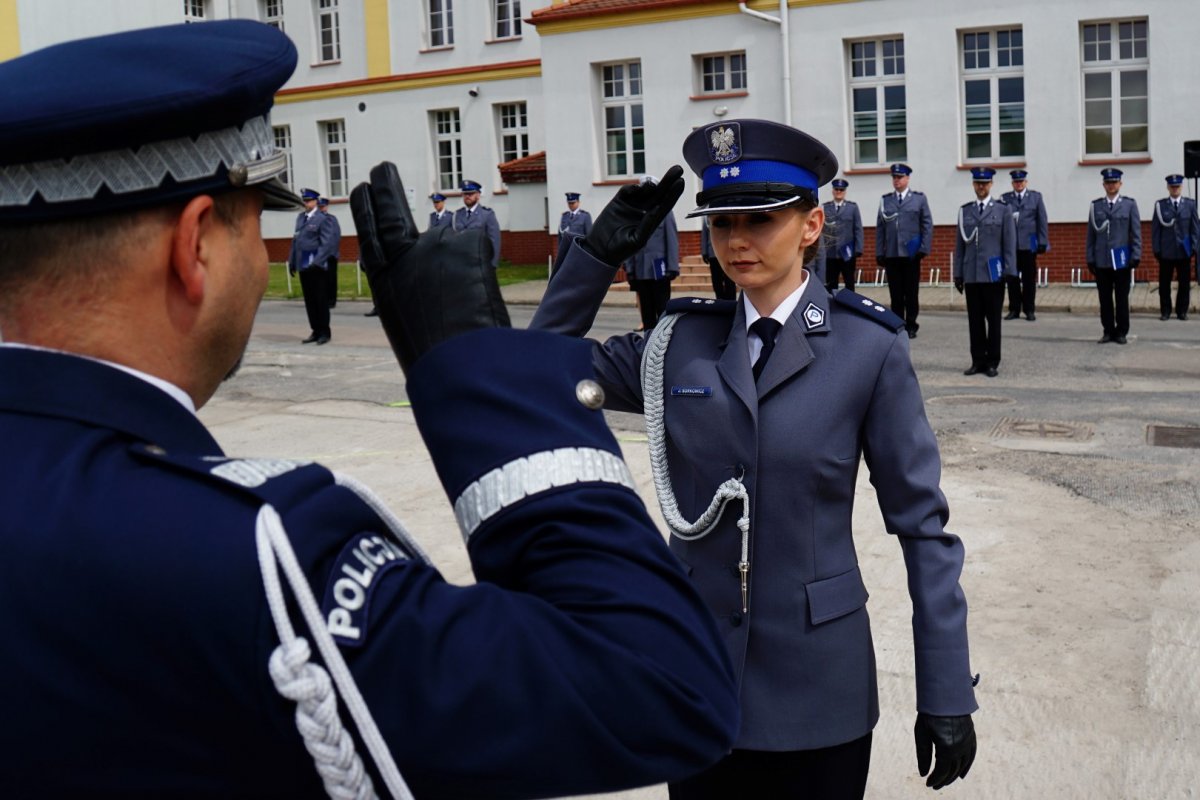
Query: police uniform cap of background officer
point(135, 622)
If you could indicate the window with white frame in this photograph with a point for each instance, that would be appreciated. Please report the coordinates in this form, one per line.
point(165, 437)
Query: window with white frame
point(514, 131)
point(993, 97)
point(878, 107)
point(447, 142)
point(195, 10)
point(337, 170)
point(721, 73)
point(271, 12)
point(1116, 93)
point(441, 23)
point(283, 144)
point(329, 34)
point(507, 15)
point(624, 126)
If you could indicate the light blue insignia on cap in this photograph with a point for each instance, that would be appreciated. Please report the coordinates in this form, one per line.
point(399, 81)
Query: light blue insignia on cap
point(725, 143)
point(814, 316)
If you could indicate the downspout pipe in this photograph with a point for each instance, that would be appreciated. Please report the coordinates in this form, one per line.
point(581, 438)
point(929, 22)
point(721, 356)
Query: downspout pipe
point(785, 46)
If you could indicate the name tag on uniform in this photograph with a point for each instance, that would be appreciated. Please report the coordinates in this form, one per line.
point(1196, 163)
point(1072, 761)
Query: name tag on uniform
point(691, 391)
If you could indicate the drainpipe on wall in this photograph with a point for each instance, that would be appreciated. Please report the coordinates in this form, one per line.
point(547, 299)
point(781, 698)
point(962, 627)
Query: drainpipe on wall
point(782, 22)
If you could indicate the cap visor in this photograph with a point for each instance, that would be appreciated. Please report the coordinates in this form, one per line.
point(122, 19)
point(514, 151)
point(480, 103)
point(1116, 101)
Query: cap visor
point(277, 197)
point(742, 205)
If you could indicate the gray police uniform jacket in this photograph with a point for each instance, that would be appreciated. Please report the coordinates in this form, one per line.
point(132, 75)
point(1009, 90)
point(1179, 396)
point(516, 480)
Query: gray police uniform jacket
point(1029, 212)
point(483, 217)
point(1113, 230)
point(843, 228)
point(314, 236)
point(803, 653)
point(903, 230)
point(577, 224)
point(982, 238)
point(1174, 234)
point(443, 220)
point(659, 259)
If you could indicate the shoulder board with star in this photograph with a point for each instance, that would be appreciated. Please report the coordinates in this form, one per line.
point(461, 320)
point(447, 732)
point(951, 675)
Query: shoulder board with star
point(869, 308)
point(1000, 201)
point(914, 191)
point(701, 305)
point(970, 203)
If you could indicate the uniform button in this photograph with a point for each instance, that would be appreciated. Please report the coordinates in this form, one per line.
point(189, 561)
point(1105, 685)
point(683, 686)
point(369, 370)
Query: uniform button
point(589, 393)
point(155, 450)
point(735, 619)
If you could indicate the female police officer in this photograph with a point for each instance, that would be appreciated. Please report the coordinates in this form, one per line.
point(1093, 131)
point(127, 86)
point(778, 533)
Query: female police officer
point(737, 396)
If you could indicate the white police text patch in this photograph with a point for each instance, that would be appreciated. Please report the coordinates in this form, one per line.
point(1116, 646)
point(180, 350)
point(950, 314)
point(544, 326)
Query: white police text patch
point(355, 575)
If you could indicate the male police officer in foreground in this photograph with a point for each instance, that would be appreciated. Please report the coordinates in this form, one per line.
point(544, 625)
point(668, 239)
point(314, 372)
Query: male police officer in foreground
point(1174, 236)
point(985, 253)
point(903, 236)
point(146, 580)
point(1033, 236)
point(1114, 250)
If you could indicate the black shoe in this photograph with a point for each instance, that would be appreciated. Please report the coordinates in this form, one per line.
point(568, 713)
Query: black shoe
point(1031, 316)
point(912, 334)
point(323, 340)
point(333, 303)
point(1164, 317)
point(1183, 317)
point(1013, 315)
point(1120, 340)
point(312, 338)
point(1104, 339)
point(991, 372)
point(374, 312)
point(971, 370)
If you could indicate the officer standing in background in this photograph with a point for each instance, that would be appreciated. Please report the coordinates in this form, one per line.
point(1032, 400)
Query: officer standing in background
point(652, 268)
point(722, 286)
point(575, 220)
point(152, 645)
point(985, 253)
point(312, 247)
point(1114, 250)
point(1175, 232)
point(842, 240)
point(1033, 236)
point(439, 216)
point(331, 265)
point(474, 214)
point(903, 236)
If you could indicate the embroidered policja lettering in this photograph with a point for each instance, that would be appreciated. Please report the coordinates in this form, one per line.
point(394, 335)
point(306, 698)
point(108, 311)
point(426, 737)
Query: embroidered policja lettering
point(353, 577)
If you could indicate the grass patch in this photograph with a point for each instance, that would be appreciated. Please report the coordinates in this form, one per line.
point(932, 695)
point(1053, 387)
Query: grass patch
point(348, 280)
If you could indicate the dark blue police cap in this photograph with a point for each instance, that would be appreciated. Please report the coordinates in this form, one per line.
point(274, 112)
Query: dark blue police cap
point(310, 194)
point(322, 201)
point(982, 174)
point(470, 186)
point(1018, 174)
point(1111, 174)
point(572, 196)
point(901, 169)
point(840, 183)
point(756, 165)
point(437, 197)
point(140, 118)
point(1174, 180)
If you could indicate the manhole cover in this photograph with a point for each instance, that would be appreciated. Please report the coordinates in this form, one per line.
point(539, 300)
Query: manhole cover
point(968, 399)
point(1042, 429)
point(1169, 436)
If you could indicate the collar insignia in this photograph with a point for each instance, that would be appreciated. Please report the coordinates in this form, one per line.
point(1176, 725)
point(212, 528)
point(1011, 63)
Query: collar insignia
point(814, 316)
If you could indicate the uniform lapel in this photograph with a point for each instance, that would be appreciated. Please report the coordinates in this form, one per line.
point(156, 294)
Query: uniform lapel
point(792, 351)
point(734, 364)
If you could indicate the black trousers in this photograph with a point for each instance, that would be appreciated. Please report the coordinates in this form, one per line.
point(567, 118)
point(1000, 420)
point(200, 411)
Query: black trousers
point(830, 773)
point(331, 275)
point(837, 268)
point(723, 287)
point(315, 285)
point(653, 296)
point(1113, 285)
point(904, 281)
point(985, 301)
point(1168, 269)
point(1022, 288)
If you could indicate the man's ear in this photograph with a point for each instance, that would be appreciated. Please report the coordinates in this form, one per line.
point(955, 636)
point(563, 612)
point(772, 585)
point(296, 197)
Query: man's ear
point(192, 246)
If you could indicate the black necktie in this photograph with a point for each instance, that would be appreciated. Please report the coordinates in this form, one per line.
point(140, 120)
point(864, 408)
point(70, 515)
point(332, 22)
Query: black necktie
point(981, 209)
point(1110, 206)
point(766, 329)
point(899, 199)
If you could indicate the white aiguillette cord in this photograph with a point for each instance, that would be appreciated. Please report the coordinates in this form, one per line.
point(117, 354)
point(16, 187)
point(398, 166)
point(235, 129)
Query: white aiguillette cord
point(653, 359)
point(308, 684)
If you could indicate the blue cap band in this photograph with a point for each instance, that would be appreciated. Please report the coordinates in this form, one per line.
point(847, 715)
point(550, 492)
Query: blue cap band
point(718, 175)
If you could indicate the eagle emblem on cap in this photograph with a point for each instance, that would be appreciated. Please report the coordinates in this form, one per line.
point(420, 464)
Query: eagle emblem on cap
point(723, 143)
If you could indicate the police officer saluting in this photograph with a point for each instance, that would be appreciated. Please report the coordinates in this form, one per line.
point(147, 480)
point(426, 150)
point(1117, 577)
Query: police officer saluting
point(1033, 237)
point(1114, 250)
point(842, 241)
point(440, 217)
point(474, 214)
point(153, 646)
point(903, 236)
point(1174, 235)
point(985, 252)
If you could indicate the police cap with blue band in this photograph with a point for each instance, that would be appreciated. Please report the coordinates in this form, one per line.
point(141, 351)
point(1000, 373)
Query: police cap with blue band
point(901, 169)
point(140, 118)
point(437, 197)
point(470, 186)
point(840, 183)
point(310, 194)
point(982, 174)
point(572, 197)
point(1111, 174)
point(753, 165)
point(1018, 174)
point(1174, 180)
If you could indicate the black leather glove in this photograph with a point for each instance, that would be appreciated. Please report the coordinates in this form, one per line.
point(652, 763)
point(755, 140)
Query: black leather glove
point(879, 261)
point(1134, 263)
point(958, 284)
point(1041, 248)
point(953, 739)
point(291, 269)
point(427, 286)
point(624, 225)
point(1091, 268)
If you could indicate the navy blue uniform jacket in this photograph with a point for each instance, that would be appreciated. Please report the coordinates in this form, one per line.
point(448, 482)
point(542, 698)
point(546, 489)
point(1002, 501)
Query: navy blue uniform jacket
point(839, 387)
point(136, 632)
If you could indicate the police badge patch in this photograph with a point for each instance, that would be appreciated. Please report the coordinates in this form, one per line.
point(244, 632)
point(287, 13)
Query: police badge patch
point(814, 316)
point(725, 143)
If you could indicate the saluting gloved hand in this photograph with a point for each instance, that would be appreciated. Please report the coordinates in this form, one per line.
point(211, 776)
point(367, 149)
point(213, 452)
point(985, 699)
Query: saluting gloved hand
point(624, 225)
point(427, 286)
point(958, 284)
point(953, 739)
